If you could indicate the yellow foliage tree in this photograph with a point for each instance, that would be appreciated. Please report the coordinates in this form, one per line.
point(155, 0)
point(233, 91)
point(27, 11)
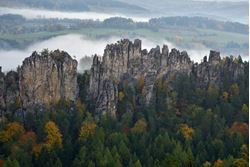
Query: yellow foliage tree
point(141, 82)
point(186, 131)
point(245, 152)
point(140, 126)
point(244, 108)
point(54, 136)
point(234, 89)
point(121, 96)
point(206, 164)
point(240, 163)
point(13, 130)
point(225, 95)
point(80, 106)
point(213, 90)
point(87, 129)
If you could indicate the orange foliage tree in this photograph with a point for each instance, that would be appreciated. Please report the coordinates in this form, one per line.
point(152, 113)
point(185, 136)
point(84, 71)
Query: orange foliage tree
point(218, 163)
point(1, 162)
point(240, 127)
point(28, 137)
point(12, 131)
point(186, 131)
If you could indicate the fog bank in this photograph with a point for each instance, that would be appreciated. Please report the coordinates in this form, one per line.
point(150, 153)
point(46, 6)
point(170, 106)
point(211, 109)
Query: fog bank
point(41, 13)
point(79, 46)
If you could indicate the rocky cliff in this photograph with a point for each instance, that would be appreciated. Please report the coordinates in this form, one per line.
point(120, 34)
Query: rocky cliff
point(48, 78)
point(42, 79)
point(2, 89)
point(126, 59)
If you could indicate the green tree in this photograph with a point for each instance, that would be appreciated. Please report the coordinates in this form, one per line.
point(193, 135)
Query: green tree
point(124, 152)
point(212, 96)
point(11, 163)
point(137, 164)
point(80, 158)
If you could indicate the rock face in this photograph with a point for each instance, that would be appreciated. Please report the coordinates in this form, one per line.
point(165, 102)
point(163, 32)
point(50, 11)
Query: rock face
point(9, 91)
point(48, 78)
point(2, 89)
point(215, 70)
point(126, 59)
point(43, 79)
point(12, 98)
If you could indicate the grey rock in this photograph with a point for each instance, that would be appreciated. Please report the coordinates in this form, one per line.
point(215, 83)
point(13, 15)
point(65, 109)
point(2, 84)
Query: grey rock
point(47, 78)
point(2, 89)
point(125, 59)
point(43, 79)
point(12, 97)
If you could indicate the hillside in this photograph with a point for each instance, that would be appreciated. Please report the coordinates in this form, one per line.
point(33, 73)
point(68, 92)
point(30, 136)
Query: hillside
point(74, 5)
point(231, 38)
point(236, 11)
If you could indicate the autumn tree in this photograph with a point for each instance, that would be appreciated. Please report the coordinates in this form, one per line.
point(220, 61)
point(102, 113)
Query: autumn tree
point(12, 132)
point(234, 90)
point(186, 131)
point(87, 129)
point(225, 95)
point(121, 95)
point(140, 126)
point(54, 136)
point(207, 164)
point(218, 163)
point(244, 159)
point(244, 108)
point(1, 162)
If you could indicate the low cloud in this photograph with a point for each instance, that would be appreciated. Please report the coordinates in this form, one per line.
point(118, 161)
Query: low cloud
point(76, 45)
point(79, 46)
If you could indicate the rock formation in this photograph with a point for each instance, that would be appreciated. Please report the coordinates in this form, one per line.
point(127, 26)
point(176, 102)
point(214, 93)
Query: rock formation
point(127, 59)
point(2, 89)
point(48, 78)
point(215, 70)
point(42, 79)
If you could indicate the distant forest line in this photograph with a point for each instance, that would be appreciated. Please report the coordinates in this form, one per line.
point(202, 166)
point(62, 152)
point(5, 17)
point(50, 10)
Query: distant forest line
point(185, 32)
point(124, 23)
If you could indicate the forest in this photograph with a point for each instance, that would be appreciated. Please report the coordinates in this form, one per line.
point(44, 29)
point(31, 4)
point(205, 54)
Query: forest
point(185, 126)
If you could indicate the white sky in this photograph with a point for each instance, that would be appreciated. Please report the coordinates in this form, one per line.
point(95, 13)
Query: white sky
point(223, 0)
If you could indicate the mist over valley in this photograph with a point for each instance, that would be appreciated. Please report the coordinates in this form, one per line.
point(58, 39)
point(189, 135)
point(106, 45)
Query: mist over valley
point(118, 83)
point(80, 46)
